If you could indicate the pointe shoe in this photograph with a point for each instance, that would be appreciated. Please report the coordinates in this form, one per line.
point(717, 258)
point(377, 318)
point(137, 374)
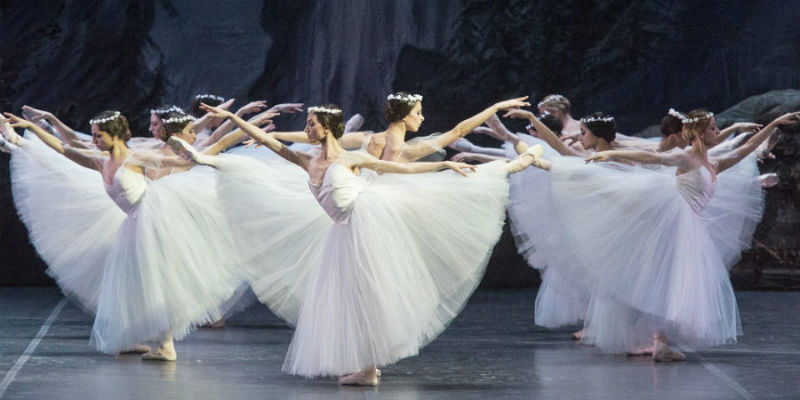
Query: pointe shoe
point(664, 353)
point(186, 151)
point(363, 378)
point(137, 349)
point(161, 354)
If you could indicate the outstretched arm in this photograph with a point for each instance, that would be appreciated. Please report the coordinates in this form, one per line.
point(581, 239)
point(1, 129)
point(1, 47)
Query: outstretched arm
point(363, 160)
point(418, 150)
point(260, 136)
point(465, 146)
point(730, 159)
point(744, 127)
point(676, 158)
point(544, 132)
point(85, 158)
point(67, 133)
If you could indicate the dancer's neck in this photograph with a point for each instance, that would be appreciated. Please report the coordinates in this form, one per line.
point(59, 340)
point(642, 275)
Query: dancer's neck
point(330, 147)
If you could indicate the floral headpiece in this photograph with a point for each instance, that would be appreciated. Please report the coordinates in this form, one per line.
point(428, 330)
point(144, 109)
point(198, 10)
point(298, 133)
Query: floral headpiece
point(106, 119)
point(209, 96)
point(180, 119)
point(676, 114)
point(686, 121)
point(407, 98)
point(318, 109)
point(597, 119)
point(158, 111)
point(549, 99)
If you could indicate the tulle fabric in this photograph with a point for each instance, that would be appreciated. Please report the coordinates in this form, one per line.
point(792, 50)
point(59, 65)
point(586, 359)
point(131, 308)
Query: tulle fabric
point(645, 253)
point(537, 234)
point(398, 268)
point(71, 221)
point(170, 266)
point(735, 210)
point(277, 226)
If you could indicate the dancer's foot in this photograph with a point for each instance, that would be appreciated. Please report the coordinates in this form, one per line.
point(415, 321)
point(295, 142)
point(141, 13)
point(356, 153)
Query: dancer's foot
point(378, 372)
point(664, 353)
point(531, 156)
point(186, 151)
point(644, 351)
point(577, 335)
point(354, 123)
point(137, 348)
point(367, 377)
point(163, 353)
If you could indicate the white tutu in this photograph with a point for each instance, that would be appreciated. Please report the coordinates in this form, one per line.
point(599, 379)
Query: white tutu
point(645, 252)
point(402, 259)
point(170, 266)
point(71, 220)
point(277, 225)
point(735, 210)
point(536, 233)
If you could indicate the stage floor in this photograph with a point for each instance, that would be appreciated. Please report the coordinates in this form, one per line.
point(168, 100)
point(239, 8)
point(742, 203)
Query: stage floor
point(492, 350)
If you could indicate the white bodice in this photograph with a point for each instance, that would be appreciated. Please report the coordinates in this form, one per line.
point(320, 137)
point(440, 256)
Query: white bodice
point(126, 189)
point(697, 186)
point(338, 191)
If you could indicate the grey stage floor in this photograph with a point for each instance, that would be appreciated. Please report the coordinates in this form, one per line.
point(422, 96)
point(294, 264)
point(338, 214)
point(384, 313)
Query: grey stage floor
point(492, 350)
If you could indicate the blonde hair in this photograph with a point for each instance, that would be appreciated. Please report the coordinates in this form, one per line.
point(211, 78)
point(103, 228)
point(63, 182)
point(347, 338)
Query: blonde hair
point(555, 102)
point(695, 123)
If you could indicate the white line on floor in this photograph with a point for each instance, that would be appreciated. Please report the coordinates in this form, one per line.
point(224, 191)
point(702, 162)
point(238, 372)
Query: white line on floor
point(12, 373)
point(723, 377)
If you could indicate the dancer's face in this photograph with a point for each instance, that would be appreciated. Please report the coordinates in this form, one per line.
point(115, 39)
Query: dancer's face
point(314, 130)
point(414, 118)
point(187, 133)
point(711, 132)
point(155, 125)
point(588, 139)
point(101, 139)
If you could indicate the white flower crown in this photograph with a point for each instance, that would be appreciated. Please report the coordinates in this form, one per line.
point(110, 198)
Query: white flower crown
point(408, 98)
point(165, 110)
point(106, 119)
point(685, 120)
point(209, 96)
point(676, 114)
point(549, 99)
point(182, 118)
point(318, 109)
point(597, 119)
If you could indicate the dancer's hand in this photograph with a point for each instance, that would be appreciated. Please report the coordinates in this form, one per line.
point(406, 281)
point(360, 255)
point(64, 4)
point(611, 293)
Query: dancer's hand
point(216, 112)
point(264, 118)
point(17, 122)
point(513, 103)
point(461, 168)
point(252, 107)
point(35, 114)
point(788, 118)
point(599, 156)
point(520, 114)
point(288, 108)
point(749, 127)
point(463, 157)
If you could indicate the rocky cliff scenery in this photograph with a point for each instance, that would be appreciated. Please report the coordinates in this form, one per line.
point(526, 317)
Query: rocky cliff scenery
point(634, 60)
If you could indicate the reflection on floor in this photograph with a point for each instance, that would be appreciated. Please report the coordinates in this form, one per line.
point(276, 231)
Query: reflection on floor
point(492, 350)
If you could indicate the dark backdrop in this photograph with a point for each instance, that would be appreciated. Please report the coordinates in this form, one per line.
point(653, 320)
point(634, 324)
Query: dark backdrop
point(632, 59)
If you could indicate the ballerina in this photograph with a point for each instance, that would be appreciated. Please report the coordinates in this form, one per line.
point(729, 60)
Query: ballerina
point(144, 282)
point(391, 270)
point(656, 272)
